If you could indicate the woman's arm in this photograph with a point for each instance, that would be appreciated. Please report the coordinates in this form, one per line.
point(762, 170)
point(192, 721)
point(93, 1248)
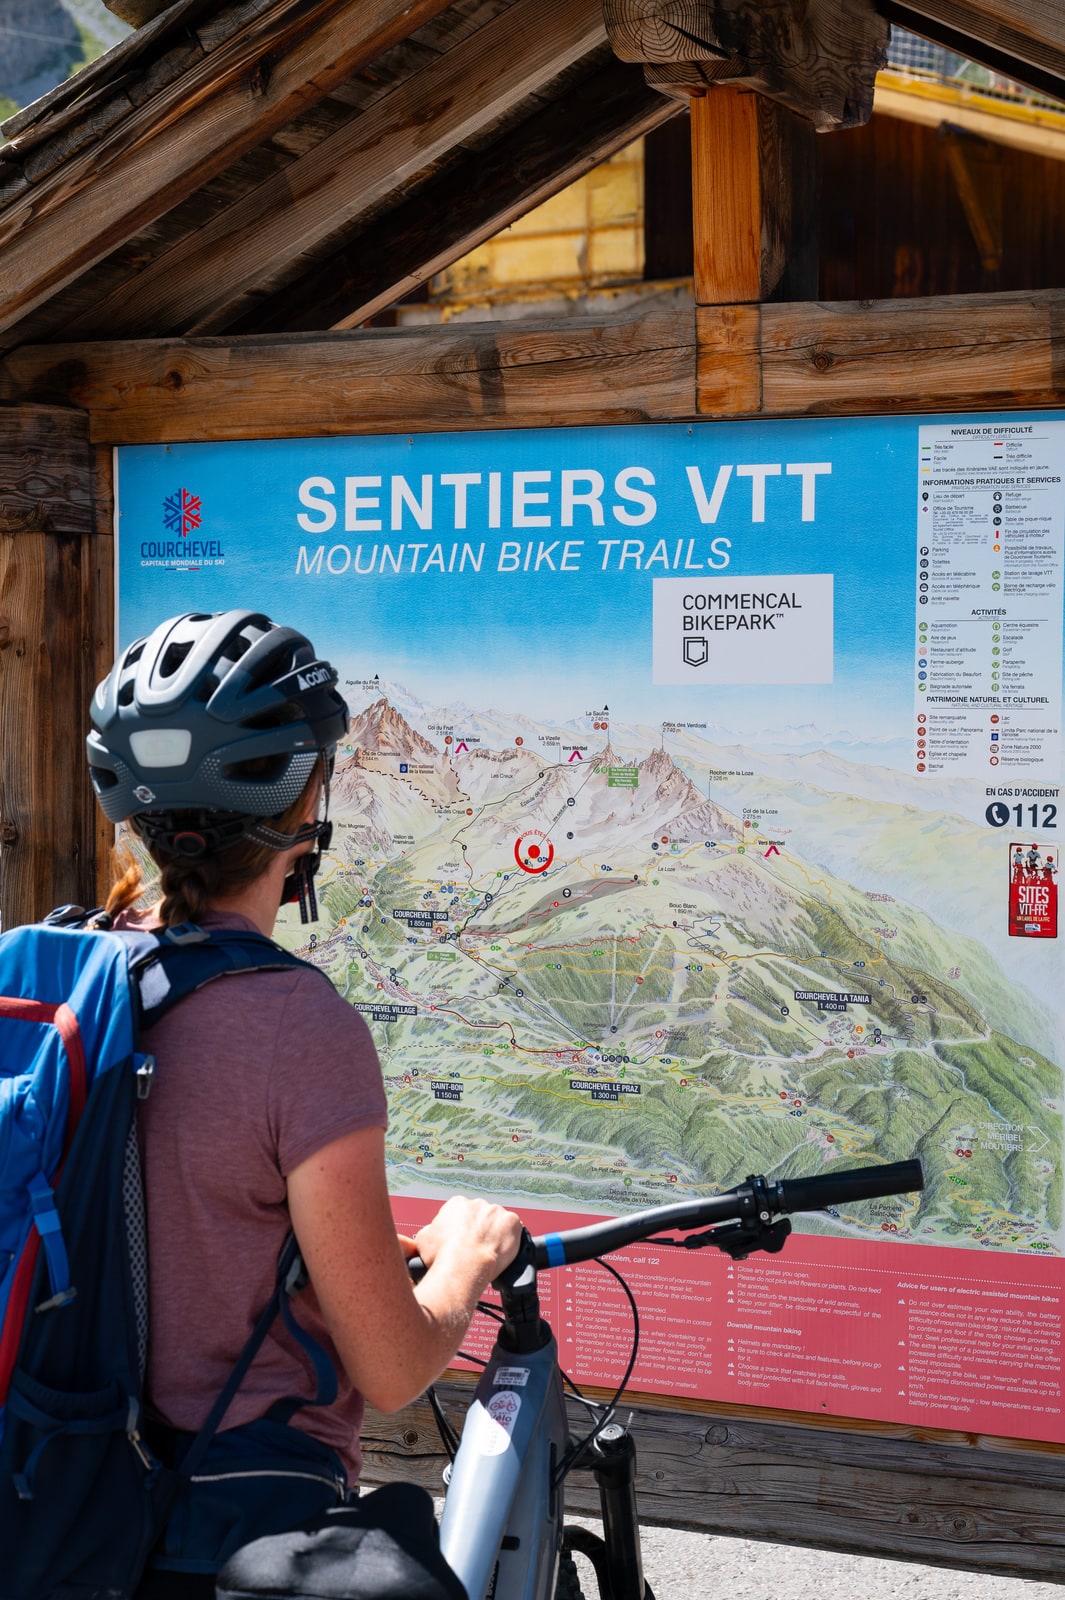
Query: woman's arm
point(393, 1339)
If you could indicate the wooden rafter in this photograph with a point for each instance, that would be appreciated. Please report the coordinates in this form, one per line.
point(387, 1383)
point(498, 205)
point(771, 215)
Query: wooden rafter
point(199, 285)
point(976, 167)
point(471, 200)
point(227, 101)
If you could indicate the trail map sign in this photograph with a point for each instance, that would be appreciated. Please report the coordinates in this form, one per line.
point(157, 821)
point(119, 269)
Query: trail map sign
point(699, 816)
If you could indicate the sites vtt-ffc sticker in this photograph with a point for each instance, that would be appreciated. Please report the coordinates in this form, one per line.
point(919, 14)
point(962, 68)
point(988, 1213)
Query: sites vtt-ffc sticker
point(1033, 877)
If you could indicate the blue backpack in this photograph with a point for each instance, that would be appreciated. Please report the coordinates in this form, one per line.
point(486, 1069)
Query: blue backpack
point(83, 1498)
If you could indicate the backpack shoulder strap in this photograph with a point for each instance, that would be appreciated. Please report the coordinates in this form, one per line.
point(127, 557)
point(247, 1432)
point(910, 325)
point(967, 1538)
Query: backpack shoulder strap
point(167, 965)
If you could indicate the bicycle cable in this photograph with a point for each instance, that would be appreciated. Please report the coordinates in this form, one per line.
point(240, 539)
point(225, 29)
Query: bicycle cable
point(448, 1437)
point(575, 1451)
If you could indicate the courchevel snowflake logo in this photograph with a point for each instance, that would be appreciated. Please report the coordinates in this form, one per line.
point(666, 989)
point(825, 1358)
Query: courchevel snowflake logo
point(182, 512)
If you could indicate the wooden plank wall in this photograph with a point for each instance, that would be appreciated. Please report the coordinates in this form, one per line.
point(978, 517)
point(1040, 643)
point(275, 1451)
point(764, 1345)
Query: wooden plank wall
point(55, 581)
point(869, 1489)
point(893, 222)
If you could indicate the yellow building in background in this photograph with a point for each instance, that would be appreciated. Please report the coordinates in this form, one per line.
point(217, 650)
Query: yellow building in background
point(588, 237)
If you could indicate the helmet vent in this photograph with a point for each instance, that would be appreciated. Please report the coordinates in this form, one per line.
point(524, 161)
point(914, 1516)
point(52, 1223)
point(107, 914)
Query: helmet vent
point(173, 657)
point(125, 694)
point(236, 647)
point(276, 717)
point(259, 769)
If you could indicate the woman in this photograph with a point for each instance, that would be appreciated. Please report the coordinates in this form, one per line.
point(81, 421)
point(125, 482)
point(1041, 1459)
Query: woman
point(215, 738)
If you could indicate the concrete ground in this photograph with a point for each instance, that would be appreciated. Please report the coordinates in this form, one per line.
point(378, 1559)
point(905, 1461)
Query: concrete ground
point(700, 1566)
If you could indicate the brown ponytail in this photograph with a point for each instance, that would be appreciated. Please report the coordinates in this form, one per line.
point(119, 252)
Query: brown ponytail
point(190, 885)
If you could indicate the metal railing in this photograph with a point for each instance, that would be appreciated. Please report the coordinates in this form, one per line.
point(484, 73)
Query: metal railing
point(918, 58)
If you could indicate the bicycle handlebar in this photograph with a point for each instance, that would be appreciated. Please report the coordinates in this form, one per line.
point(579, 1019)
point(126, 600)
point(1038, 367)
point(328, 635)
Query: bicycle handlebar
point(755, 1198)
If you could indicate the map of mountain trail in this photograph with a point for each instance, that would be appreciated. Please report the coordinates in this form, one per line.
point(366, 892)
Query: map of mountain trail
point(698, 817)
point(593, 984)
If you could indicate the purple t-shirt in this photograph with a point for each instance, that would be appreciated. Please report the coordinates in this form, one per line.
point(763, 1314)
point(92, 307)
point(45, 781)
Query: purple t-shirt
point(256, 1073)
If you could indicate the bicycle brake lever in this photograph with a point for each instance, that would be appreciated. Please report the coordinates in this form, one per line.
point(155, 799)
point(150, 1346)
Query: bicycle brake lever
point(737, 1239)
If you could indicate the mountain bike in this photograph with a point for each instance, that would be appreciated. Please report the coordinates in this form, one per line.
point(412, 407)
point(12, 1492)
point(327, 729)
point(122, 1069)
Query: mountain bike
point(503, 1529)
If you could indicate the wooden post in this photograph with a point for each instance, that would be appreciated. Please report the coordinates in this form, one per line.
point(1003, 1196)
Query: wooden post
point(754, 217)
point(754, 199)
point(51, 642)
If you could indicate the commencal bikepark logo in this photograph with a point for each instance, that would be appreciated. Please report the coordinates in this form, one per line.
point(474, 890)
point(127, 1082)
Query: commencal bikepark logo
point(183, 516)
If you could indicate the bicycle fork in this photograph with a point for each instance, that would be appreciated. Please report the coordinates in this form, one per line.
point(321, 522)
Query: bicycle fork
point(616, 1557)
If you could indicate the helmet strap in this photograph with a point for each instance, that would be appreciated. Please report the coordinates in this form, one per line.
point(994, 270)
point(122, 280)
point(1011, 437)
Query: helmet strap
point(299, 884)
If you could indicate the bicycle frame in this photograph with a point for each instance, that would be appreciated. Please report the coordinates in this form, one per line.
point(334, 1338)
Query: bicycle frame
point(502, 1528)
point(502, 1504)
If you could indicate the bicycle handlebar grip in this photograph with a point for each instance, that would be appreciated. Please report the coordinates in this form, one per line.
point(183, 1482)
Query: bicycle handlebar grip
point(857, 1183)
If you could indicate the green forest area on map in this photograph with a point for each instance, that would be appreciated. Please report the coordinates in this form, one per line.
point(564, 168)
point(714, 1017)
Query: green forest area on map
point(592, 986)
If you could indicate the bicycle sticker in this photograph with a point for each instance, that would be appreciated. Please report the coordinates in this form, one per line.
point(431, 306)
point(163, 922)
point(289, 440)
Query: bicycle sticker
point(497, 1422)
point(515, 1377)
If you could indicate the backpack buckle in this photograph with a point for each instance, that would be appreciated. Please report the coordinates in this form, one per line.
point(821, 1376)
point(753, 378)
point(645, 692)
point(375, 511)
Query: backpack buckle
point(145, 1075)
point(186, 933)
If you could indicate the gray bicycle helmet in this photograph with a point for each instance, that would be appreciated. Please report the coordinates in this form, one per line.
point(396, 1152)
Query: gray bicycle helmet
point(210, 726)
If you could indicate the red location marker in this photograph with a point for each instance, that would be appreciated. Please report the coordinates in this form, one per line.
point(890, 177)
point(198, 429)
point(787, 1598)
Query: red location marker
point(534, 852)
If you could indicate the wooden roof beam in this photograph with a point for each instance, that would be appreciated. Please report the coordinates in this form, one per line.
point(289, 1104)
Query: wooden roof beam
point(665, 360)
point(201, 284)
point(469, 202)
point(819, 59)
point(637, 367)
point(286, 59)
